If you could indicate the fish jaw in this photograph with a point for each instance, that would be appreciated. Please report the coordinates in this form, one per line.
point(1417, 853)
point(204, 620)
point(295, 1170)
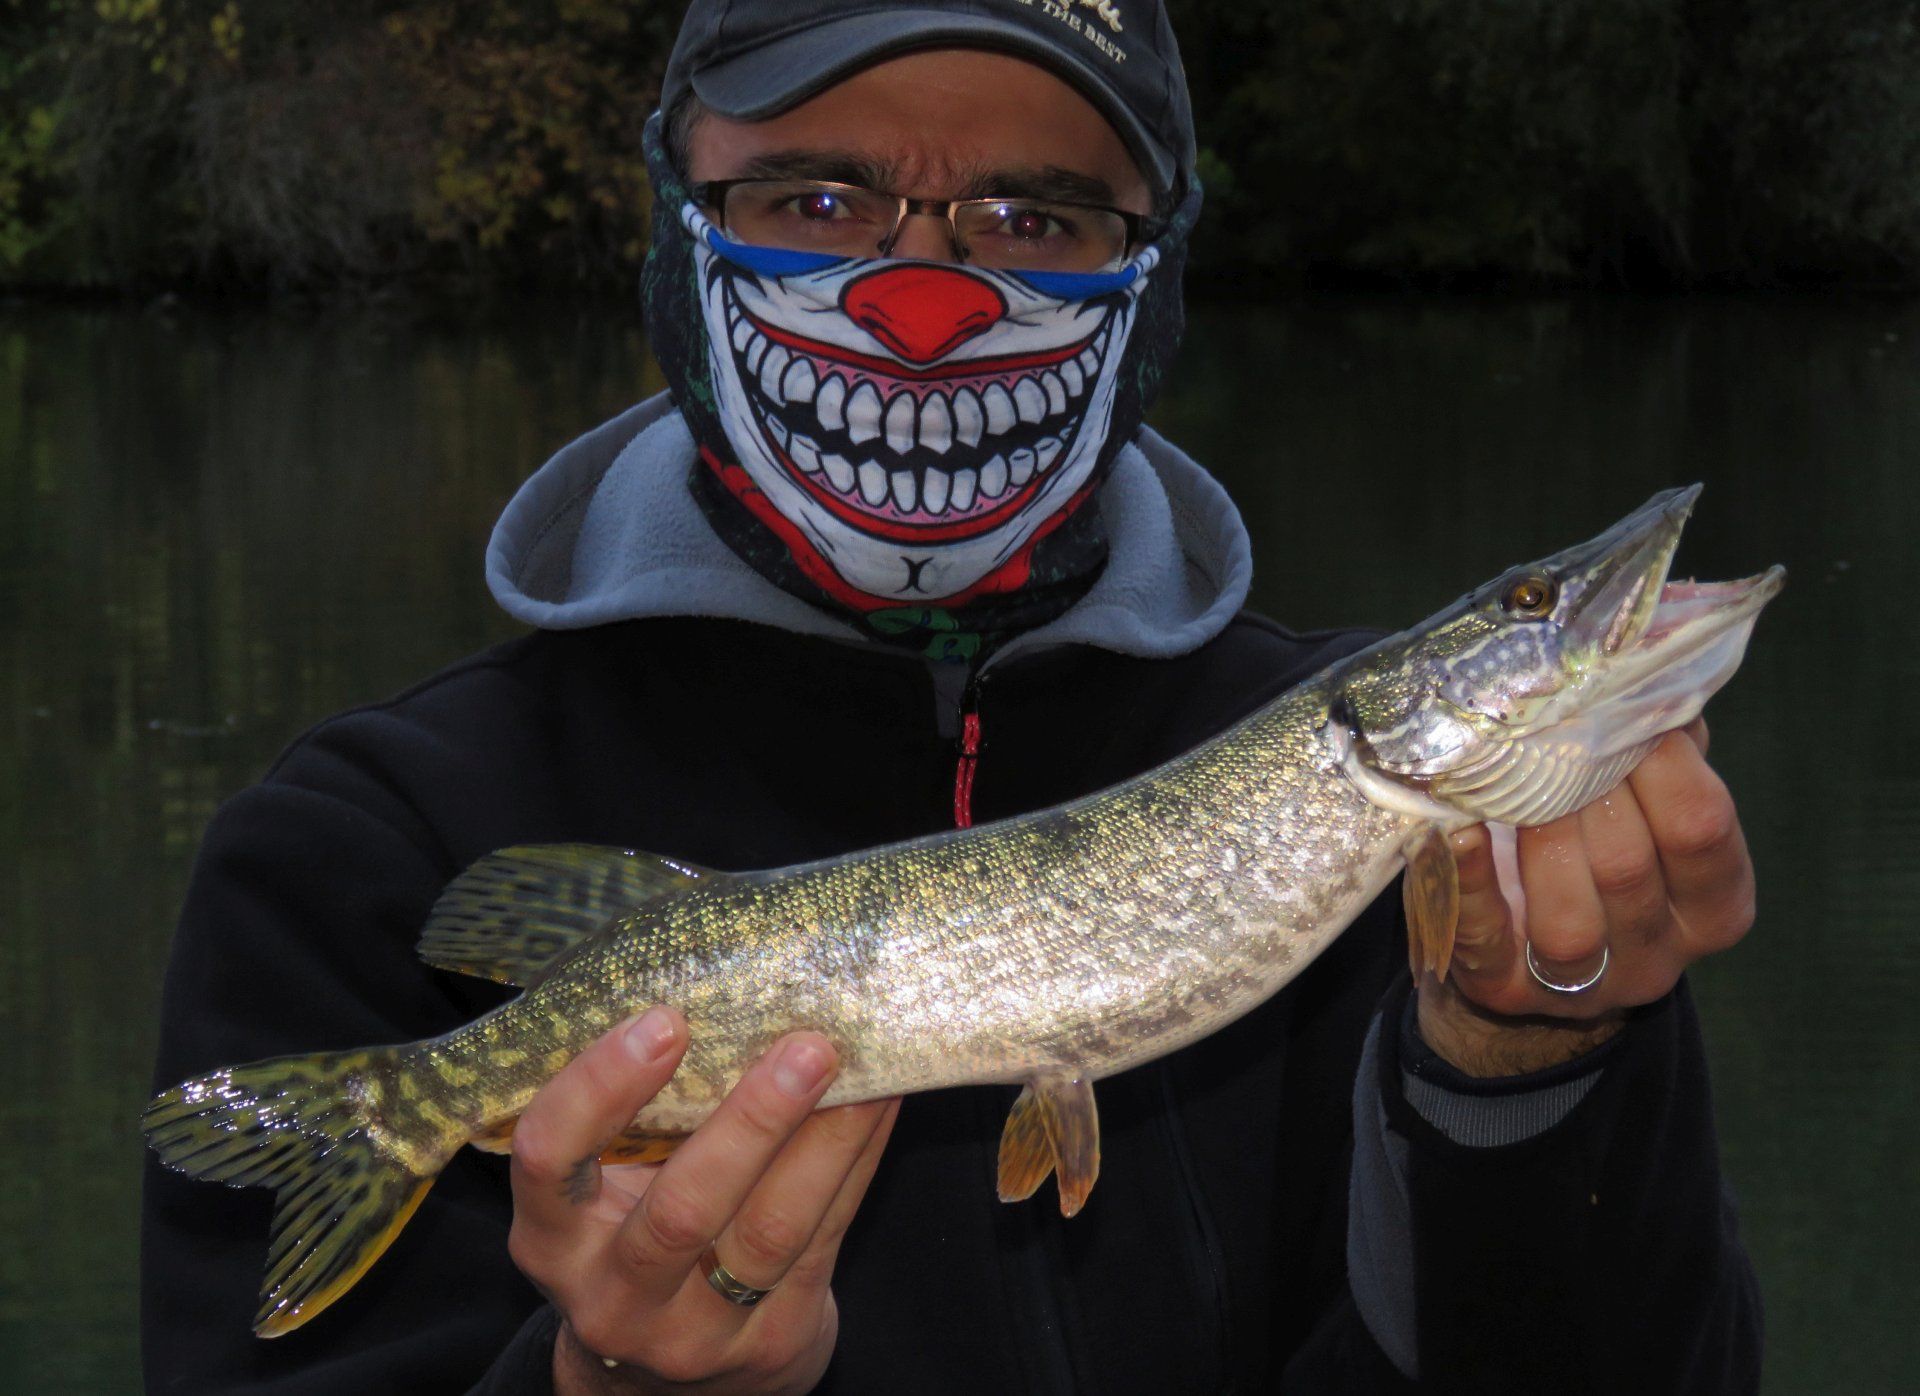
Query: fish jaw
point(1647, 652)
point(1614, 582)
point(1690, 643)
point(1538, 692)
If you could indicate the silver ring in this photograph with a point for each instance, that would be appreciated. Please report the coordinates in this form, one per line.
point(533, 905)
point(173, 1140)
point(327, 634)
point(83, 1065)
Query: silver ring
point(1533, 968)
point(728, 1285)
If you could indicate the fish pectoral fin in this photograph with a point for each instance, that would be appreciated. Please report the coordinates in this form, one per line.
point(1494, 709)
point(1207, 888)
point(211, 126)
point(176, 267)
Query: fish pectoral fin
point(1431, 894)
point(517, 911)
point(1052, 1128)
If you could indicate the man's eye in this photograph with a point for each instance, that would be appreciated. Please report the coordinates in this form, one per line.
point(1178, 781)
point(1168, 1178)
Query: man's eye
point(1029, 224)
point(819, 207)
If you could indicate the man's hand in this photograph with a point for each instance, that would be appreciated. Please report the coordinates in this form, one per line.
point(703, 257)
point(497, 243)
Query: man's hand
point(767, 1182)
point(1656, 873)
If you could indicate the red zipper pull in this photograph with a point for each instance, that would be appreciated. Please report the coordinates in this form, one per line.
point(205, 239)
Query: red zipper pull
point(963, 772)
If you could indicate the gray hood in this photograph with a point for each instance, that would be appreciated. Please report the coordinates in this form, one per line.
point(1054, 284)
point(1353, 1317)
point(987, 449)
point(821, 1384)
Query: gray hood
point(607, 530)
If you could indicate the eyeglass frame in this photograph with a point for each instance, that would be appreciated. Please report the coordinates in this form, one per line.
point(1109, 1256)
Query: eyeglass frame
point(1141, 228)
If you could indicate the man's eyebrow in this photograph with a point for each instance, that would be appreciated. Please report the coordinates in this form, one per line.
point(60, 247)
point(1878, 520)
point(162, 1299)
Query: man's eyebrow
point(834, 166)
point(1052, 183)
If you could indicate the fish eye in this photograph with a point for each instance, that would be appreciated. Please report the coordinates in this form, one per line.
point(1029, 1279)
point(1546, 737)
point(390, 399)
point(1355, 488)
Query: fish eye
point(1530, 598)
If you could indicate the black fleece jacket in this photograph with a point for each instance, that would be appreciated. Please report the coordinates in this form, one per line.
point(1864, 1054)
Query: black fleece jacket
point(1598, 1256)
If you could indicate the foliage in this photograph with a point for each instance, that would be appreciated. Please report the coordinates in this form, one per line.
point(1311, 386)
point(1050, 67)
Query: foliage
point(539, 115)
point(33, 209)
point(218, 141)
point(1656, 142)
point(1642, 141)
point(250, 141)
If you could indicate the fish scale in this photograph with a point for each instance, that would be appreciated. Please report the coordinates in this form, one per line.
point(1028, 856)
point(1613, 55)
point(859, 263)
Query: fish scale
point(1053, 949)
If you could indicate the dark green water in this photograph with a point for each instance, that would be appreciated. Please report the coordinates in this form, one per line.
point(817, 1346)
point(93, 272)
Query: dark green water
point(215, 529)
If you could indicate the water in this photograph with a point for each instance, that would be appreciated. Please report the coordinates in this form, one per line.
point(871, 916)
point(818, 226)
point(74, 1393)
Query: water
point(218, 528)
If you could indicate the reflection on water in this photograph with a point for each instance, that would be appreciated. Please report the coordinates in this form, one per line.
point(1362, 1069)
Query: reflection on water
point(215, 529)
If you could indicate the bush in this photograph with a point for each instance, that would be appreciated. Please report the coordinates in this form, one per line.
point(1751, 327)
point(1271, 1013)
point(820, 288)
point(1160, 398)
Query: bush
point(290, 144)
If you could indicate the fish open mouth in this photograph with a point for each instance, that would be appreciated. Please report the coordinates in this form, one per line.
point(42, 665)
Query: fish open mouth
point(1691, 645)
point(1683, 605)
point(1660, 647)
point(880, 445)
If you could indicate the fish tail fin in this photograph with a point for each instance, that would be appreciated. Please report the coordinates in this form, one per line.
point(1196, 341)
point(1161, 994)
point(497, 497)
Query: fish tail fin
point(346, 1176)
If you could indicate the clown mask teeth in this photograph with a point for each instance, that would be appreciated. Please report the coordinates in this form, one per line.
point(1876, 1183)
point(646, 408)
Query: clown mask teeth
point(795, 392)
point(919, 421)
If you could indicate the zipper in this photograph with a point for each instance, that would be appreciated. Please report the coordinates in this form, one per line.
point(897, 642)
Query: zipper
point(1048, 1359)
point(967, 763)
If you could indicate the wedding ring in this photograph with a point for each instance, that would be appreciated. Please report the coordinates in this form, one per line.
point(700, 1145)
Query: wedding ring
point(1551, 986)
point(728, 1285)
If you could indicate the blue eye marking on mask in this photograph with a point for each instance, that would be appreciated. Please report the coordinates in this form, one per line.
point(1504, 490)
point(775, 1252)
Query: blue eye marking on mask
point(1079, 285)
point(770, 261)
point(781, 261)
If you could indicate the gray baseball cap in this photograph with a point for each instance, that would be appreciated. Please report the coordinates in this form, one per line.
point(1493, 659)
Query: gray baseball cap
point(751, 59)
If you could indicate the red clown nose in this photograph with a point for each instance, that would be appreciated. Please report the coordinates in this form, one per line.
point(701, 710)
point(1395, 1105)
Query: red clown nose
point(922, 313)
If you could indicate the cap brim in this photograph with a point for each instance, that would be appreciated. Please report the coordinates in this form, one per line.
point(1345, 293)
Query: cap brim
point(784, 72)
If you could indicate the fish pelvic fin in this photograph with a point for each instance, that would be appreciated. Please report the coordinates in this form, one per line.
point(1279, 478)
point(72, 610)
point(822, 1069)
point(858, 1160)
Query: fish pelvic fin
point(520, 910)
point(1052, 1128)
point(1430, 892)
point(635, 1145)
point(631, 1145)
point(318, 1130)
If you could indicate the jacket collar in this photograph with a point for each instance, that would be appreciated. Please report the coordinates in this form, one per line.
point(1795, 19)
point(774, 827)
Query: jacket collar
point(607, 531)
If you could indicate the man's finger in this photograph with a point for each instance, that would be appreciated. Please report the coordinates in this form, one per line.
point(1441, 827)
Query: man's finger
point(1696, 732)
point(794, 1308)
point(1702, 849)
point(1625, 868)
point(561, 1134)
point(698, 1190)
point(1566, 921)
point(816, 1265)
point(1483, 943)
point(780, 1216)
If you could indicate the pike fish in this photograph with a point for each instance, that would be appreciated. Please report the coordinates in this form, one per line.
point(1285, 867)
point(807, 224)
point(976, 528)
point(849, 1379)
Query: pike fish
point(1049, 950)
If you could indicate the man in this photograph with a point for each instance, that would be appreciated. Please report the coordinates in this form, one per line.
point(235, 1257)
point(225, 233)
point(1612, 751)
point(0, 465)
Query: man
point(898, 555)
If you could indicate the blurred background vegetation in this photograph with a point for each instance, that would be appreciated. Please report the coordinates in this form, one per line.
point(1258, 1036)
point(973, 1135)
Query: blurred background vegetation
point(241, 144)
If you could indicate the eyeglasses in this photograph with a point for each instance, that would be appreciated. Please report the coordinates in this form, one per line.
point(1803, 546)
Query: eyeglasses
point(846, 220)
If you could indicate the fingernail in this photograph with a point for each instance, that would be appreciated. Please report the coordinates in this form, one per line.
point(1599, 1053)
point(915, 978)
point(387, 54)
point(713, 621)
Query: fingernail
point(799, 1067)
point(651, 1036)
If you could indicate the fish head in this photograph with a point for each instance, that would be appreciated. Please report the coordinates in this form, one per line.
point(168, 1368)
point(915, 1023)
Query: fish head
point(1536, 693)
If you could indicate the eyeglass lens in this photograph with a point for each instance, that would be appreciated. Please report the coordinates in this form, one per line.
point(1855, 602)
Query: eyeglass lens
point(1004, 234)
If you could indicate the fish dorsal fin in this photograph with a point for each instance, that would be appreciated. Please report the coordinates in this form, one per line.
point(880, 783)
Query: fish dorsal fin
point(518, 910)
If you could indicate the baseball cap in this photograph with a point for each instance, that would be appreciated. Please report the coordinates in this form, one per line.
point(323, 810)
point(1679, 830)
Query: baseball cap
point(751, 59)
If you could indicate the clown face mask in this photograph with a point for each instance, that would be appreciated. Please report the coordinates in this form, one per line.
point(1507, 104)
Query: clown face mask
point(918, 423)
point(911, 432)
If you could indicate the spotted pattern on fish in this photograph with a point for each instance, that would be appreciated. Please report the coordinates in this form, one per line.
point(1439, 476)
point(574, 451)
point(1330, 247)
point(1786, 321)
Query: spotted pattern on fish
point(1099, 934)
